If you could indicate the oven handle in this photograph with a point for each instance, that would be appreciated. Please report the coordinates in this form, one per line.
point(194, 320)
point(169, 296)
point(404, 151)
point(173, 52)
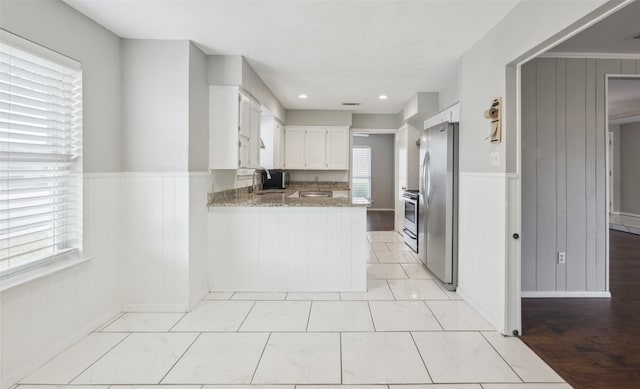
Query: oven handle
point(409, 233)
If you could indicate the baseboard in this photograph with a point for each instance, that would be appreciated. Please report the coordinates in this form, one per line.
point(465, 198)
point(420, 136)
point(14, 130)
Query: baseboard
point(381, 209)
point(199, 297)
point(14, 377)
point(154, 308)
point(565, 294)
point(635, 215)
point(477, 308)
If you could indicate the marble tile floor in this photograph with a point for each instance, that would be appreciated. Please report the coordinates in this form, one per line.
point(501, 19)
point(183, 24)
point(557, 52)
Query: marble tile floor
point(403, 333)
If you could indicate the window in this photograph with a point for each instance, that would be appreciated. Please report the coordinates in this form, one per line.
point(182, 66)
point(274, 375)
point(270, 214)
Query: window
point(361, 173)
point(40, 155)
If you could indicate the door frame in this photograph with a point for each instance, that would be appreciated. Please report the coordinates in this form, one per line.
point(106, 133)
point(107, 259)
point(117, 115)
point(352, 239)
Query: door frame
point(369, 131)
point(513, 189)
point(611, 165)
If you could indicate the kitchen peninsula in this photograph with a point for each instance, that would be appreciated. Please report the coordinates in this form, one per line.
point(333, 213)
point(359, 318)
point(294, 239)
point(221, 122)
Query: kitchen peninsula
point(283, 242)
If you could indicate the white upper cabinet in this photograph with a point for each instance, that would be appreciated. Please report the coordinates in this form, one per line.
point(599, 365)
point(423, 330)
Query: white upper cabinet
point(272, 135)
point(278, 145)
point(337, 148)
point(294, 147)
point(234, 129)
point(317, 148)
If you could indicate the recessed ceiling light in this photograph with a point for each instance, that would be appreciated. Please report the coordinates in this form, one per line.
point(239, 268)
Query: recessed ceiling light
point(303, 96)
point(383, 97)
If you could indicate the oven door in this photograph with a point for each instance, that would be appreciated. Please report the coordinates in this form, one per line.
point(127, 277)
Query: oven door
point(410, 221)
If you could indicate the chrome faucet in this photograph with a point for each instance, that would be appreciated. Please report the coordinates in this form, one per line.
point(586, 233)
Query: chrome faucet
point(253, 185)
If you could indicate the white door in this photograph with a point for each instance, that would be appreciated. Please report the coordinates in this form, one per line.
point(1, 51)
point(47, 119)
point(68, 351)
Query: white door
point(401, 174)
point(294, 147)
point(338, 148)
point(315, 148)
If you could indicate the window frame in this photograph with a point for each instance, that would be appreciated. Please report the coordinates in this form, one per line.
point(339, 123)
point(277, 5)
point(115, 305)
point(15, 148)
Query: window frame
point(66, 248)
point(368, 177)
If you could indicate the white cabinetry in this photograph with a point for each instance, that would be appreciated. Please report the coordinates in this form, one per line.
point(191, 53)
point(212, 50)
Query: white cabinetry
point(278, 145)
point(317, 148)
point(337, 148)
point(234, 129)
point(294, 147)
point(272, 134)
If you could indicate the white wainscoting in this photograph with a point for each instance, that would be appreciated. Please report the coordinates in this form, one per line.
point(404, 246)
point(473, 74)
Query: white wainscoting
point(42, 317)
point(157, 243)
point(198, 234)
point(287, 249)
point(482, 245)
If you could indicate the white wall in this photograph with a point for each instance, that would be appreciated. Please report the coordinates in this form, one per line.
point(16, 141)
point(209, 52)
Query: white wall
point(629, 165)
point(198, 235)
point(483, 75)
point(235, 70)
point(372, 121)
point(59, 27)
point(166, 135)
point(155, 105)
point(253, 84)
point(449, 95)
point(302, 117)
point(38, 319)
point(319, 175)
point(155, 254)
point(224, 69)
point(421, 106)
point(198, 111)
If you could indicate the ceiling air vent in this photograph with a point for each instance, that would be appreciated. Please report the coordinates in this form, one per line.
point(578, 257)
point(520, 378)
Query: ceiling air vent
point(350, 104)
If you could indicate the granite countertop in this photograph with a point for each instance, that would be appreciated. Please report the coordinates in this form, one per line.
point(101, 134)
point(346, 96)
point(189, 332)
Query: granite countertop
point(280, 198)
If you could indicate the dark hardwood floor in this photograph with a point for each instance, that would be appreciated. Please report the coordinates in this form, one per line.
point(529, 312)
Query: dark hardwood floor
point(380, 220)
point(593, 343)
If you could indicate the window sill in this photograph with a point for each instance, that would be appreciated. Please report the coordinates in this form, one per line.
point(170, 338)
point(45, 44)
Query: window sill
point(17, 279)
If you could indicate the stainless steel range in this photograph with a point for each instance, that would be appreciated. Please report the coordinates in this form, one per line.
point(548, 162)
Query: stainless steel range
point(410, 221)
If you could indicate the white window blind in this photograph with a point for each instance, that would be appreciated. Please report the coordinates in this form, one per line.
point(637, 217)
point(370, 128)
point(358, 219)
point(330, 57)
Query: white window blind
point(40, 157)
point(361, 173)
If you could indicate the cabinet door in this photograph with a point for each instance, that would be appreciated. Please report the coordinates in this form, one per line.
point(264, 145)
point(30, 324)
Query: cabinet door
point(244, 117)
point(278, 145)
point(294, 148)
point(338, 148)
point(223, 127)
point(315, 149)
point(244, 159)
point(254, 135)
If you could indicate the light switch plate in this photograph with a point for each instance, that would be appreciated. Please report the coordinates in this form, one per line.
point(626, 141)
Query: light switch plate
point(494, 158)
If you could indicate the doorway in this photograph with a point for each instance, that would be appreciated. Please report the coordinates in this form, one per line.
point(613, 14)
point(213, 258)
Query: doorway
point(577, 301)
point(372, 176)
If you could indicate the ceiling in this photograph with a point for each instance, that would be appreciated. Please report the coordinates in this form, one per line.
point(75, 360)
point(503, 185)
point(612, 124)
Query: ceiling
point(613, 35)
point(332, 51)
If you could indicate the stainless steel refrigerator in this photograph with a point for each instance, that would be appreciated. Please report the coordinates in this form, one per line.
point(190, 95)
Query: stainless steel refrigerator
point(438, 208)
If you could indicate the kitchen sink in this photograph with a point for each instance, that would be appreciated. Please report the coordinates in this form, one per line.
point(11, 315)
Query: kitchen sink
point(316, 193)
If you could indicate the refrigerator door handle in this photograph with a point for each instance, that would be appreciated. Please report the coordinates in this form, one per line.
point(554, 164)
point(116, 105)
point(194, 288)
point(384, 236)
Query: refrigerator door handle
point(426, 173)
point(423, 178)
